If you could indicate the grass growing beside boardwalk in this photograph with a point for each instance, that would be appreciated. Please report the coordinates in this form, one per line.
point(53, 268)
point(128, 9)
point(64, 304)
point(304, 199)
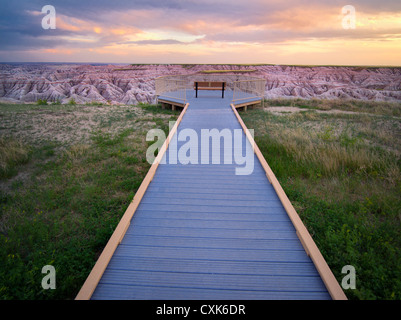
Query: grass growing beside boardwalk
point(383, 108)
point(70, 173)
point(342, 172)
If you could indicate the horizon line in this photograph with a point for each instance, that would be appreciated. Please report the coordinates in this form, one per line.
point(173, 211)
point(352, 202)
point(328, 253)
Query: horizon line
point(214, 64)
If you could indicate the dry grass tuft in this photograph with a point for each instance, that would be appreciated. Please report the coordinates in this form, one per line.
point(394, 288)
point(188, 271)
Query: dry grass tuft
point(332, 152)
point(12, 153)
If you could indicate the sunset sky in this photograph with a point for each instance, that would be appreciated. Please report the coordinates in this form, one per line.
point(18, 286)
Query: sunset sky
point(202, 31)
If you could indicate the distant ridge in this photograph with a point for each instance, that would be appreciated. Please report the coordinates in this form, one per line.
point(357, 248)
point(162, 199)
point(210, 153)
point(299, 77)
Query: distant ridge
point(134, 83)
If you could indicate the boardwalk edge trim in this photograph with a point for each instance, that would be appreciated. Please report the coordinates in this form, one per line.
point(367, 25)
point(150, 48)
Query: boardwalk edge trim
point(101, 264)
point(303, 234)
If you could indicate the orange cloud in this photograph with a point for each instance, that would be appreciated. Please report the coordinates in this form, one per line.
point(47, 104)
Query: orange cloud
point(59, 51)
point(304, 19)
point(68, 23)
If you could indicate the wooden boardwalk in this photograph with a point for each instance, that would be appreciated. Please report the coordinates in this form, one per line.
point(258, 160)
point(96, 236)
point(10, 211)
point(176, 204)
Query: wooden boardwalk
point(202, 232)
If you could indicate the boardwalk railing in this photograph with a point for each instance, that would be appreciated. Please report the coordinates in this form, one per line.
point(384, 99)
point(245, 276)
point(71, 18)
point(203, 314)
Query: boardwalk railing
point(245, 88)
point(171, 87)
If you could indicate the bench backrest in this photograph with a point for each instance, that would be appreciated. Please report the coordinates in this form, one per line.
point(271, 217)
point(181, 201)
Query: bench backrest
point(210, 84)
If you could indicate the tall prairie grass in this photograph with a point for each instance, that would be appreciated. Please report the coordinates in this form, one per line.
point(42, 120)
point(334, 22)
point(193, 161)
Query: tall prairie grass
point(330, 154)
point(389, 108)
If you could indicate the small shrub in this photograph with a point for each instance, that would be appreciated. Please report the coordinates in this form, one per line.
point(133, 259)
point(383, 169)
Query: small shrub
point(41, 102)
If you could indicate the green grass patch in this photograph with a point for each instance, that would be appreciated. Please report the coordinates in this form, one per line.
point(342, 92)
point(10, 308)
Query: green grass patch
point(64, 210)
point(13, 153)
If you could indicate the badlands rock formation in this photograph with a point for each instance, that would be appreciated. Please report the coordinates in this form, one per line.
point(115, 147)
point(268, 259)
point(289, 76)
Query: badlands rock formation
point(132, 84)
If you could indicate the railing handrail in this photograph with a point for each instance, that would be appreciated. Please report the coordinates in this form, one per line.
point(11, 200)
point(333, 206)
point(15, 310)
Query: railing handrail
point(235, 82)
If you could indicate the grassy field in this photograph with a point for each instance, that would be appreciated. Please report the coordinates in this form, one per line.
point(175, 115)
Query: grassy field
point(67, 175)
point(340, 164)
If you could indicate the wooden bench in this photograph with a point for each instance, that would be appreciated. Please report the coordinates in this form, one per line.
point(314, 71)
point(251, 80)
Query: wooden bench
point(210, 85)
